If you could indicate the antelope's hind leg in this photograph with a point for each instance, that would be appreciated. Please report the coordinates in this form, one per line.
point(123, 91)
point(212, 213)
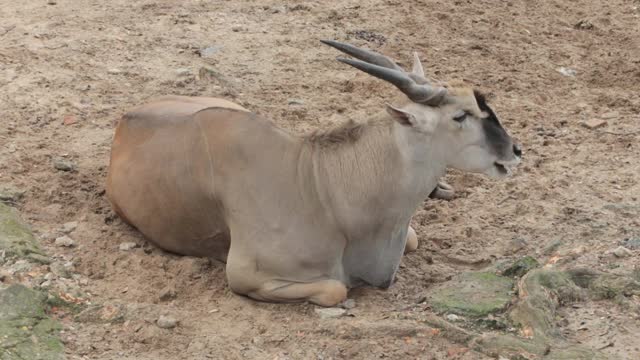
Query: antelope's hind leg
point(323, 292)
point(412, 241)
point(442, 191)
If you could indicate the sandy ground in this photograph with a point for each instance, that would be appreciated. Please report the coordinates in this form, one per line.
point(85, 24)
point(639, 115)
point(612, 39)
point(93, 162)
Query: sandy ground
point(69, 70)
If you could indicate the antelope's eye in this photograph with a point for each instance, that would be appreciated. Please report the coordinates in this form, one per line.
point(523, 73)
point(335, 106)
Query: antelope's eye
point(460, 118)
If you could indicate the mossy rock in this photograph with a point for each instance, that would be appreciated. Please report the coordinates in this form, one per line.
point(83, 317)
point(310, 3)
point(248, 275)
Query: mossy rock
point(521, 267)
point(16, 238)
point(26, 332)
point(473, 294)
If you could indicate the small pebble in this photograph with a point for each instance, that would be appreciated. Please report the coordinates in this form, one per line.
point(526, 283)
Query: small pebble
point(69, 227)
point(65, 241)
point(166, 322)
point(183, 72)
point(348, 304)
point(622, 252)
point(610, 115)
point(64, 165)
point(168, 293)
point(594, 124)
point(114, 71)
point(330, 313)
point(126, 246)
point(453, 317)
point(567, 71)
point(209, 51)
point(632, 243)
point(297, 102)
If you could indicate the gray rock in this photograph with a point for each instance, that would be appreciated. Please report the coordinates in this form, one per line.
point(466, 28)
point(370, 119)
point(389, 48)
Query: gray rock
point(21, 266)
point(65, 241)
point(126, 246)
point(330, 313)
point(296, 102)
point(278, 9)
point(348, 304)
point(16, 238)
point(632, 243)
point(567, 71)
point(196, 346)
point(166, 322)
point(183, 72)
point(168, 293)
point(621, 252)
point(46, 284)
point(209, 51)
point(69, 227)
point(10, 195)
point(38, 258)
point(63, 164)
point(453, 317)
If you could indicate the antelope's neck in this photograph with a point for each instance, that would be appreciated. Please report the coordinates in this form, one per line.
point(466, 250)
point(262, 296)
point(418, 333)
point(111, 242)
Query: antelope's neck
point(376, 179)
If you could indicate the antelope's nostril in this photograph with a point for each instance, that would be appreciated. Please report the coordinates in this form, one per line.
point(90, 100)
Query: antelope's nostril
point(517, 150)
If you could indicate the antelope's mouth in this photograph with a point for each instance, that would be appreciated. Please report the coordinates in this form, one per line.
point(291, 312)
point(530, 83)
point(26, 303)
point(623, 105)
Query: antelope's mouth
point(502, 169)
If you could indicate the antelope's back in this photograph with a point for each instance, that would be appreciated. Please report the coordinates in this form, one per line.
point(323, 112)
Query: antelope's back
point(160, 174)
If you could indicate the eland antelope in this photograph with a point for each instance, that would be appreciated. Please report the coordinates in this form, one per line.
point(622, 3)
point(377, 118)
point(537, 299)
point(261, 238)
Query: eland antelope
point(300, 218)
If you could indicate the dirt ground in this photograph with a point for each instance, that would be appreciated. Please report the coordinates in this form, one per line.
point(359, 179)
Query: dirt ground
point(70, 69)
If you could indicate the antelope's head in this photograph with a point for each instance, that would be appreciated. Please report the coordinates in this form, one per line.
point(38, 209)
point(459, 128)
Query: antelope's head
point(453, 116)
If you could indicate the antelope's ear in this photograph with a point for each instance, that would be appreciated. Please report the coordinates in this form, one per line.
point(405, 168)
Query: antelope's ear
point(401, 116)
point(409, 117)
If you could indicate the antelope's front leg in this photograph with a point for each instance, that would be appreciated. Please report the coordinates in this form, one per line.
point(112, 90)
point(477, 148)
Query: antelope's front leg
point(442, 191)
point(412, 241)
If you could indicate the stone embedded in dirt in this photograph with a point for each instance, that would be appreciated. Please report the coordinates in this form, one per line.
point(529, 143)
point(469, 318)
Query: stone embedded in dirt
point(168, 293)
point(330, 313)
point(294, 102)
point(632, 243)
point(610, 115)
point(583, 24)
point(69, 120)
point(65, 241)
point(10, 195)
point(126, 246)
point(474, 294)
point(567, 71)
point(16, 238)
point(521, 267)
point(594, 124)
point(348, 304)
point(453, 317)
point(183, 72)
point(166, 322)
point(39, 258)
point(621, 252)
point(105, 313)
point(63, 164)
point(69, 227)
point(209, 51)
point(114, 71)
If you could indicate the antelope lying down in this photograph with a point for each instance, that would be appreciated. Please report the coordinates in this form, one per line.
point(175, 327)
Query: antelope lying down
point(299, 218)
